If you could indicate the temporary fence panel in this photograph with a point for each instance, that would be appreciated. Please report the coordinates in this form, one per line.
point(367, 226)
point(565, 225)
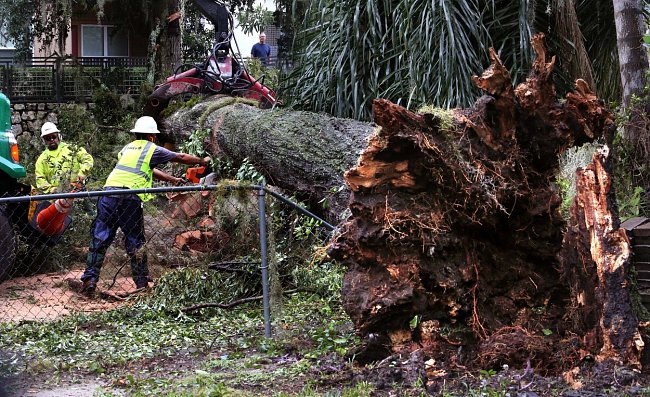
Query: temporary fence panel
point(183, 227)
point(205, 228)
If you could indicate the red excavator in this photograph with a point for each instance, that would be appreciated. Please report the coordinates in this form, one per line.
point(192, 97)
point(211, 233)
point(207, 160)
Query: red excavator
point(223, 72)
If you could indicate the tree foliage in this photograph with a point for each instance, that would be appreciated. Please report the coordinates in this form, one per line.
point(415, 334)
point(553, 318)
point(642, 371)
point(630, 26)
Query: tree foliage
point(22, 20)
point(255, 19)
point(48, 20)
point(416, 52)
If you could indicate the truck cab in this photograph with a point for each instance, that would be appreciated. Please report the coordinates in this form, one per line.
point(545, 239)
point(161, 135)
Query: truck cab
point(10, 171)
point(10, 168)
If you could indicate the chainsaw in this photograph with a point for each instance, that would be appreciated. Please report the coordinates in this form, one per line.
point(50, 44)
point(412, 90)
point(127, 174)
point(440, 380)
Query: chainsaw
point(200, 175)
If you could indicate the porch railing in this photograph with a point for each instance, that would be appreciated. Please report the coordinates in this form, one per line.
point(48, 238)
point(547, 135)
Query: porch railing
point(64, 79)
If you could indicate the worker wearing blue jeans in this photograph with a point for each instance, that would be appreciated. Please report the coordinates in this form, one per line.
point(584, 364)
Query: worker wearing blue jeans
point(113, 212)
point(135, 169)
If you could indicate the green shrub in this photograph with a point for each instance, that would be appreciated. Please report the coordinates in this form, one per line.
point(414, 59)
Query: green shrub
point(257, 70)
point(108, 108)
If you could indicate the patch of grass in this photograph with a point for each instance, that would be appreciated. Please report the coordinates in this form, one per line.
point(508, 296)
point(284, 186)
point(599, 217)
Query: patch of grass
point(95, 342)
point(361, 389)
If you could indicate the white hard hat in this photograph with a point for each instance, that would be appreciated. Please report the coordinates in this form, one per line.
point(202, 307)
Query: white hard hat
point(48, 128)
point(145, 125)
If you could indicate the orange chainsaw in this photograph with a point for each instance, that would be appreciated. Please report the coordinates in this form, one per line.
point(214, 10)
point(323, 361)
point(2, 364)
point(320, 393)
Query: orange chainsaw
point(201, 174)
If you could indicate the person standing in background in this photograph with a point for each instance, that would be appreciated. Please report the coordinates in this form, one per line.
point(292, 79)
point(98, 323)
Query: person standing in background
point(261, 50)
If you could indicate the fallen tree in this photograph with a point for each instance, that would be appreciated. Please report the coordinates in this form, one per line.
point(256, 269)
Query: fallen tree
point(302, 152)
point(455, 236)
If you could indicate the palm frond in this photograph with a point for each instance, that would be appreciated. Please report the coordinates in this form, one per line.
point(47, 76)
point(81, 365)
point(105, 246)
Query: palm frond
point(416, 52)
point(596, 19)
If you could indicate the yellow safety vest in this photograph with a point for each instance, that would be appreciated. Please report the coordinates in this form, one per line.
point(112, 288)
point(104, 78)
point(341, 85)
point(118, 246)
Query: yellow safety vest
point(132, 170)
point(55, 166)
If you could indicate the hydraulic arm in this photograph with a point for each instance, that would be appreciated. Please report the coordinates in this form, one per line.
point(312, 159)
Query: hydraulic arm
point(223, 72)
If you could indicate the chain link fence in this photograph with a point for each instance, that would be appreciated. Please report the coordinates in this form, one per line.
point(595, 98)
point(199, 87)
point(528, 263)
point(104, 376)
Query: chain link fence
point(227, 233)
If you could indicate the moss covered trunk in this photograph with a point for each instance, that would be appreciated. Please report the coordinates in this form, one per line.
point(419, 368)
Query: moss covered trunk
point(302, 152)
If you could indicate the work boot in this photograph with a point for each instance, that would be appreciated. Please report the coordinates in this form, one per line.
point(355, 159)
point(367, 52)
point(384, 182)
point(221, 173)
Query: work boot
point(140, 270)
point(142, 282)
point(88, 287)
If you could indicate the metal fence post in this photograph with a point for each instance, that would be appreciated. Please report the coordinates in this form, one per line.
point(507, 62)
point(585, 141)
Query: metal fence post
point(58, 79)
point(10, 81)
point(264, 261)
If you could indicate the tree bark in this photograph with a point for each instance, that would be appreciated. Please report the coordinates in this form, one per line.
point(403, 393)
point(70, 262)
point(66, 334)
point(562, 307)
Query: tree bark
point(632, 55)
point(633, 61)
point(598, 274)
point(302, 152)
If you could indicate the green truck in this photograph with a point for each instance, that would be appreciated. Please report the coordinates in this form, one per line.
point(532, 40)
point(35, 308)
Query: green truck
point(17, 220)
point(10, 168)
point(10, 172)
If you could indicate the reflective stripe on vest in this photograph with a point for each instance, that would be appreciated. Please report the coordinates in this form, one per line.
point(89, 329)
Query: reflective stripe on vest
point(133, 176)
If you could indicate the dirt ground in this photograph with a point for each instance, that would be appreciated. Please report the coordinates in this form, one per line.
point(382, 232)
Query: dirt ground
point(45, 297)
point(49, 296)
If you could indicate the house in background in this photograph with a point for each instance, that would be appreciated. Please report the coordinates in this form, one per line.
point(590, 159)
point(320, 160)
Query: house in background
point(89, 37)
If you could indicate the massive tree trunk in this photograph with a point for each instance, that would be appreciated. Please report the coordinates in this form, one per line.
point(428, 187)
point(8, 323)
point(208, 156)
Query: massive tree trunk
point(302, 152)
point(455, 233)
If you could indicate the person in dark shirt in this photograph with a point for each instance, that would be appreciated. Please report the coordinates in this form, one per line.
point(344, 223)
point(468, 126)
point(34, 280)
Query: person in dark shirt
point(135, 169)
point(261, 50)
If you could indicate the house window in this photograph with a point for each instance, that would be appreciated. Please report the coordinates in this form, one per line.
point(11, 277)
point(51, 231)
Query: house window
point(103, 41)
point(7, 46)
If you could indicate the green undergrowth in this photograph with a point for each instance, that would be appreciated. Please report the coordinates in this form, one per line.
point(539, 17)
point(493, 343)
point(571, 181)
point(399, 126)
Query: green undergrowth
point(220, 352)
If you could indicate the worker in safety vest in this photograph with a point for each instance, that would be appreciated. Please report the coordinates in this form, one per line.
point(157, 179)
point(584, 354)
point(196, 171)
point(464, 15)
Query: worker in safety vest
point(60, 163)
point(135, 169)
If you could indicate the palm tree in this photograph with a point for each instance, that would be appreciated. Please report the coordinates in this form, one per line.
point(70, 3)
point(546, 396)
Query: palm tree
point(416, 52)
point(632, 55)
